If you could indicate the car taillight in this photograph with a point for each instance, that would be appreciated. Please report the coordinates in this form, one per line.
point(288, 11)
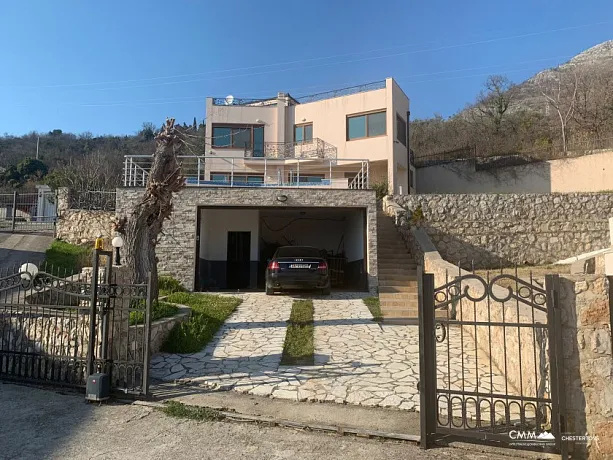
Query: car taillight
point(273, 265)
point(323, 266)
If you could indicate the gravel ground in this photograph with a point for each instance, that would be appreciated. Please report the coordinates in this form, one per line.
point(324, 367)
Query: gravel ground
point(41, 424)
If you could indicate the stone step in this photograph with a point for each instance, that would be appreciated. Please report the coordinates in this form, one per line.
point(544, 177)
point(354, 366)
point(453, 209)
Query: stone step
point(396, 256)
point(400, 278)
point(404, 269)
point(395, 283)
point(387, 304)
point(392, 247)
point(401, 315)
point(398, 296)
point(397, 263)
point(397, 289)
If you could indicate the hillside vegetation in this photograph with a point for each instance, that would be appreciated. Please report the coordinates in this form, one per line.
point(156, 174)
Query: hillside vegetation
point(565, 109)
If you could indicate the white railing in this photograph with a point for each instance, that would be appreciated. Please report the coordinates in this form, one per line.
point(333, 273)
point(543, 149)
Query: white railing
point(216, 171)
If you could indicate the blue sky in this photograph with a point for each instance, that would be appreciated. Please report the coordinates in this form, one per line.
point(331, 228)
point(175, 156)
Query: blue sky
point(107, 67)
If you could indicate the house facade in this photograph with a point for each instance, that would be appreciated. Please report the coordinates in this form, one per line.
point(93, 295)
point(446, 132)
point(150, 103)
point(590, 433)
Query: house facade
point(283, 171)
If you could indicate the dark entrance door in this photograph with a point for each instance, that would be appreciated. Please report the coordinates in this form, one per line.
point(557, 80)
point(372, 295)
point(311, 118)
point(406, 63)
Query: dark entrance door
point(239, 251)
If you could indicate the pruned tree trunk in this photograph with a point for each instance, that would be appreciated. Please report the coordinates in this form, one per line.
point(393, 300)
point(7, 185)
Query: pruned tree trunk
point(143, 225)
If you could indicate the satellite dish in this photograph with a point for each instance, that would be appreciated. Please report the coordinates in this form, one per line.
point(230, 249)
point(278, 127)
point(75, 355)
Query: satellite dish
point(229, 99)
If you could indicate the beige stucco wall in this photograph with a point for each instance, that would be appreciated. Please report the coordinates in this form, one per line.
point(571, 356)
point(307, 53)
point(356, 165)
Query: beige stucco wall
point(588, 173)
point(329, 118)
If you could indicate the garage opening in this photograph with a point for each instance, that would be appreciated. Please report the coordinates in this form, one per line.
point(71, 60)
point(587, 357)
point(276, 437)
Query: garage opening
point(235, 244)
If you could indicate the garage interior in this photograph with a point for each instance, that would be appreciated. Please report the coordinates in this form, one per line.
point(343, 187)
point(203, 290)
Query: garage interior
point(234, 245)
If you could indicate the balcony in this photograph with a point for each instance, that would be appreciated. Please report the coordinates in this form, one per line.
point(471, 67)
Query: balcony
point(315, 148)
point(219, 171)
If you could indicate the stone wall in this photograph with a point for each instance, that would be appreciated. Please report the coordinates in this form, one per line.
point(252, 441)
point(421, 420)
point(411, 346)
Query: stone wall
point(78, 226)
point(588, 364)
point(176, 250)
point(501, 230)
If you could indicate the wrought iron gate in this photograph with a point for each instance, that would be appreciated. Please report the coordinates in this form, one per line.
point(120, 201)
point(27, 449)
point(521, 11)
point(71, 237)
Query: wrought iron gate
point(28, 212)
point(490, 361)
point(58, 329)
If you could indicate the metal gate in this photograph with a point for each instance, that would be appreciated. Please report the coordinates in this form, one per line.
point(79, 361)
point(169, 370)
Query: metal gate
point(490, 361)
point(58, 328)
point(28, 212)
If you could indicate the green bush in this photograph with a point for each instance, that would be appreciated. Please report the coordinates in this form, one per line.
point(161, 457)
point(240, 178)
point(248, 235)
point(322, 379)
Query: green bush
point(65, 259)
point(381, 189)
point(159, 310)
point(208, 314)
point(168, 285)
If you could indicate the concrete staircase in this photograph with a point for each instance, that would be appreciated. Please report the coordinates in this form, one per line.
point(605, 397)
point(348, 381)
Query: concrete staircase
point(397, 274)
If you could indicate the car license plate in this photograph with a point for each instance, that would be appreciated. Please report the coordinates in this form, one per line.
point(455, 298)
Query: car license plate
point(300, 266)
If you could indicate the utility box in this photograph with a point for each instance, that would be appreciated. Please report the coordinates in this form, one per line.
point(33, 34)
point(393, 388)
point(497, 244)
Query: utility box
point(98, 387)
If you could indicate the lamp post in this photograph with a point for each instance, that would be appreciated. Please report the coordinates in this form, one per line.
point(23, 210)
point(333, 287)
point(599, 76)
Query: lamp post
point(117, 242)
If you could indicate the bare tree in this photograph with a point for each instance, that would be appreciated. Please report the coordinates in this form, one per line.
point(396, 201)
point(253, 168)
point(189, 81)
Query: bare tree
point(560, 92)
point(494, 102)
point(594, 107)
point(143, 226)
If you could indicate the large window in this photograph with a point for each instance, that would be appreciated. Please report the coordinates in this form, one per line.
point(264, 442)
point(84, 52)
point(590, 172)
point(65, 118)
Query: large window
point(366, 125)
point(305, 178)
point(239, 137)
point(303, 133)
point(401, 128)
point(226, 177)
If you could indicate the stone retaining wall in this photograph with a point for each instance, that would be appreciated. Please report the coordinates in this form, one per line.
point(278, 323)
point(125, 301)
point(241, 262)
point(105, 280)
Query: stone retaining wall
point(78, 226)
point(585, 302)
point(493, 230)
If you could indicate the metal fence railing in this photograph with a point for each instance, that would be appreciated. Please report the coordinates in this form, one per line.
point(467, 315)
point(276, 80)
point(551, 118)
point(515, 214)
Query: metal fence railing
point(92, 200)
point(29, 212)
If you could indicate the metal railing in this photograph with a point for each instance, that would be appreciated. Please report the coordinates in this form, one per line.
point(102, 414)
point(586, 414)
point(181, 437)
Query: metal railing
point(314, 148)
point(244, 101)
point(342, 92)
point(92, 200)
point(256, 172)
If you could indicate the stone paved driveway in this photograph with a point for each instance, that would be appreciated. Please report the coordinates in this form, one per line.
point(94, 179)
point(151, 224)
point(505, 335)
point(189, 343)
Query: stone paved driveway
point(357, 361)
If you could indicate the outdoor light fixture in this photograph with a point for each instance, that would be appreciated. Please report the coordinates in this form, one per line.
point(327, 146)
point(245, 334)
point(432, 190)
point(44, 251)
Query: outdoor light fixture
point(28, 270)
point(257, 120)
point(117, 242)
point(282, 198)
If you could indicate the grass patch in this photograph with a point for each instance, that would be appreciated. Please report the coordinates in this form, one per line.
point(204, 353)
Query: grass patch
point(374, 305)
point(168, 285)
point(201, 414)
point(298, 348)
point(65, 259)
point(159, 310)
point(208, 314)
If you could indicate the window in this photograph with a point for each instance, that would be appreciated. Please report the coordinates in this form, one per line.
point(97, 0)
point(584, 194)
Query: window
point(303, 133)
point(305, 178)
point(240, 137)
point(366, 125)
point(238, 178)
point(401, 128)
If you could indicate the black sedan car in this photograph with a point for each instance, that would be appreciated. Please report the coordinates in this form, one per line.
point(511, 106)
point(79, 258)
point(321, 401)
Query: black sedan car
point(297, 267)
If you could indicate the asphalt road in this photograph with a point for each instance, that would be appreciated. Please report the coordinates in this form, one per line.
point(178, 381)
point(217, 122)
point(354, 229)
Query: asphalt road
point(42, 424)
point(18, 248)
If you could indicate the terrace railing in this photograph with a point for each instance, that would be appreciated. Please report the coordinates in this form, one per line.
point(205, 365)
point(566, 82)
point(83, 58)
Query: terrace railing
point(257, 172)
point(315, 148)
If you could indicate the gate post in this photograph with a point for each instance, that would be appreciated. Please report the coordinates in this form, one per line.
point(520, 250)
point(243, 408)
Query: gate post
point(14, 217)
point(147, 337)
point(427, 358)
point(91, 345)
point(556, 356)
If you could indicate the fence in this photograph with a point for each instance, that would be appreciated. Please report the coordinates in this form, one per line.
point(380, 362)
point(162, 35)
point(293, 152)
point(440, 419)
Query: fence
point(92, 200)
point(30, 212)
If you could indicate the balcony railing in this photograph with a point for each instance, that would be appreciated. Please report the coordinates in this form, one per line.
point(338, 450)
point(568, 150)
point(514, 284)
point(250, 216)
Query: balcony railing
point(257, 172)
point(315, 148)
point(244, 101)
